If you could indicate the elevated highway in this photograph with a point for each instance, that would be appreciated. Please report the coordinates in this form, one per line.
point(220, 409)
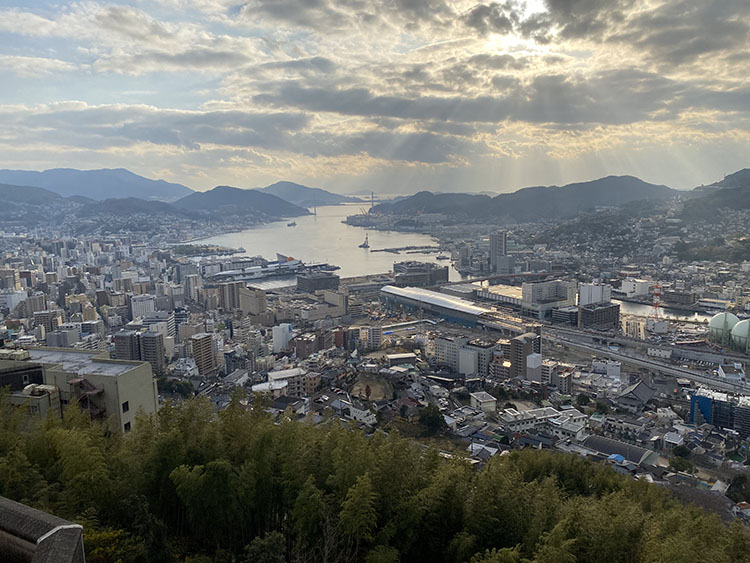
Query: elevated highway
point(648, 363)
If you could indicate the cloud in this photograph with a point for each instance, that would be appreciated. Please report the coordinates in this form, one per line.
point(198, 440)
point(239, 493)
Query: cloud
point(608, 97)
point(351, 85)
point(77, 124)
point(31, 67)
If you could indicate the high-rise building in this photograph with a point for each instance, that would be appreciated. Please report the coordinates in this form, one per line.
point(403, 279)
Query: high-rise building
point(229, 295)
point(498, 248)
point(50, 319)
point(142, 305)
point(127, 345)
point(253, 301)
point(594, 293)
point(521, 347)
point(281, 335)
point(152, 350)
point(599, 315)
point(11, 298)
point(418, 274)
point(203, 353)
point(314, 281)
point(9, 279)
point(539, 298)
point(192, 284)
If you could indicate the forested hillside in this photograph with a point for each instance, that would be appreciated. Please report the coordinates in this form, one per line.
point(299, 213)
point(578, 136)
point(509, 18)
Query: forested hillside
point(193, 485)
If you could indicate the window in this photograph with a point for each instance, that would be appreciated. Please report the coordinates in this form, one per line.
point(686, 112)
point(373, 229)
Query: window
point(127, 427)
point(125, 407)
point(25, 379)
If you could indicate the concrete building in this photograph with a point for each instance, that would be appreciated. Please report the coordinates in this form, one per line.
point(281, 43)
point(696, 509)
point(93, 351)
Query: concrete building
point(498, 249)
point(127, 345)
point(315, 281)
point(204, 354)
point(299, 382)
point(63, 338)
point(142, 305)
point(593, 293)
point(418, 274)
point(11, 298)
point(153, 350)
point(253, 301)
point(483, 401)
point(633, 287)
point(282, 336)
point(521, 347)
point(112, 390)
point(50, 319)
point(540, 298)
point(599, 315)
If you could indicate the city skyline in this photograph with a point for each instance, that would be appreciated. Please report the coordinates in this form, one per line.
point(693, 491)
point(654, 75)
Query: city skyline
point(446, 96)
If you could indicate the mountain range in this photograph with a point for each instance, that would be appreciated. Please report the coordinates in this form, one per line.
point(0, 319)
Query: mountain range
point(534, 203)
point(96, 184)
point(236, 201)
point(119, 193)
point(304, 196)
point(733, 192)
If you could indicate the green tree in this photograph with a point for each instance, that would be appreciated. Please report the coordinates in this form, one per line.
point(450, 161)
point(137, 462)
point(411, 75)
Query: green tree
point(358, 515)
point(602, 407)
point(582, 400)
point(681, 451)
point(431, 418)
point(267, 549)
point(504, 555)
point(680, 464)
point(382, 554)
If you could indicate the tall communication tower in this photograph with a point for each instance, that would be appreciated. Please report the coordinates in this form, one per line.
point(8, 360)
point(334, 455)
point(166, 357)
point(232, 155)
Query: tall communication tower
point(656, 308)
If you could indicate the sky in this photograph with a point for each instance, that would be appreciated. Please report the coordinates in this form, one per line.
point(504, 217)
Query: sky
point(393, 96)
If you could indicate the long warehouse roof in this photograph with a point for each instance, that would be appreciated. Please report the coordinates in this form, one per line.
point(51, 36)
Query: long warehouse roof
point(436, 298)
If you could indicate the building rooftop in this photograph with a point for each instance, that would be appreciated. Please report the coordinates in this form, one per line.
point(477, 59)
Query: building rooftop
point(483, 396)
point(510, 291)
point(435, 298)
point(80, 362)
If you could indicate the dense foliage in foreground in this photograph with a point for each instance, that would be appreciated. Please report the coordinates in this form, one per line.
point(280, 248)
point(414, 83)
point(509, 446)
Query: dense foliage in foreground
point(235, 486)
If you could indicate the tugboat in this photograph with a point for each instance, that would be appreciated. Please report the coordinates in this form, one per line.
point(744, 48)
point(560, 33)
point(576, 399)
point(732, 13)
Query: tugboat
point(365, 244)
point(292, 224)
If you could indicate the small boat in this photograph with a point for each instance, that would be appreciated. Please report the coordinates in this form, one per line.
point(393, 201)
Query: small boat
point(365, 244)
point(292, 224)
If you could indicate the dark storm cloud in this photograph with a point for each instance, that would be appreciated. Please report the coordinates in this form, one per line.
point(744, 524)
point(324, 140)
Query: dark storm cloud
point(127, 124)
point(608, 97)
point(120, 126)
point(327, 15)
point(682, 31)
point(672, 32)
point(491, 18)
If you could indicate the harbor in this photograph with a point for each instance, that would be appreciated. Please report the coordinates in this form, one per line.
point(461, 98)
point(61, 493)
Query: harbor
point(325, 239)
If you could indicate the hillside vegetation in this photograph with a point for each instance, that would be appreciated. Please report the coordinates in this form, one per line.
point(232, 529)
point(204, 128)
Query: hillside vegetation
point(193, 485)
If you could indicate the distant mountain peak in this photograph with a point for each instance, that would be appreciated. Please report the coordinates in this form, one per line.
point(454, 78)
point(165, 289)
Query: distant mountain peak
point(536, 202)
point(100, 184)
point(305, 196)
point(233, 201)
